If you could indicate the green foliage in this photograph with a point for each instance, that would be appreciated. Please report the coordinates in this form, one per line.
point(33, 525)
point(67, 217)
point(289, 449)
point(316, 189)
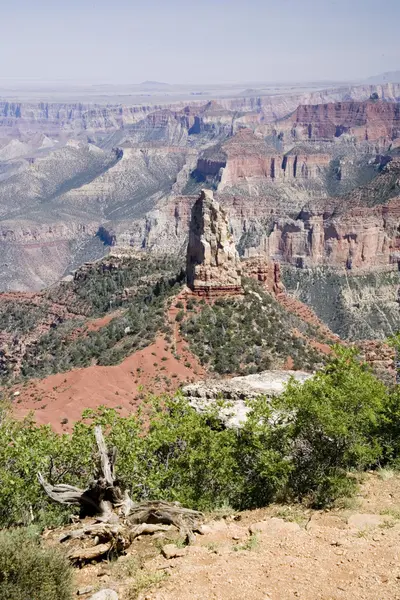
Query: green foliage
point(102, 287)
point(179, 316)
point(305, 445)
point(26, 449)
point(20, 318)
point(68, 344)
point(250, 335)
point(334, 424)
point(28, 570)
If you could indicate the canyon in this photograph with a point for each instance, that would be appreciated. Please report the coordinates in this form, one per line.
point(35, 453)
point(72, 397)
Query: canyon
point(310, 180)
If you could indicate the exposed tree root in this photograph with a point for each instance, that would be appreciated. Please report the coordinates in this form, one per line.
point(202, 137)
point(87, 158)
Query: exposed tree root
point(118, 519)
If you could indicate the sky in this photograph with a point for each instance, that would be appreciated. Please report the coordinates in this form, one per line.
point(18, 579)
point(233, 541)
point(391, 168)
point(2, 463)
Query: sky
point(204, 41)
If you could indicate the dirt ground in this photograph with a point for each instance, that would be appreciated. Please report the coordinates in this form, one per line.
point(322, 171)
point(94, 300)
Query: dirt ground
point(348, 553)
point(162, 367)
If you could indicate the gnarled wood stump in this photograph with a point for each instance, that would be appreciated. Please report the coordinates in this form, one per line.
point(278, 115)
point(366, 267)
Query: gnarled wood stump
point(119, 519)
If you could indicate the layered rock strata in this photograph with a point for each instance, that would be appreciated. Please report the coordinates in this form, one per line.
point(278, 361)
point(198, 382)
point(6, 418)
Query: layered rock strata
point(213, 264)
point(370, 121)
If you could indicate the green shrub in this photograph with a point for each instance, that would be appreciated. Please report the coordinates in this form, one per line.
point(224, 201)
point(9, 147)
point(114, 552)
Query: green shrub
point(179, 316)
point(29, 571)
point(304, 445)
point(334, 424)
point(249, 335)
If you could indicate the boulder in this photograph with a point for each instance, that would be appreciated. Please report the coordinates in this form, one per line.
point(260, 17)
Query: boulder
point(236, 391)
point(362, 521)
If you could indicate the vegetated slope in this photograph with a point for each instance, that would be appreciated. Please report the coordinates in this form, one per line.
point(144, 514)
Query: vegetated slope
point(355, 307)
point(50, 332)
point(252, 334)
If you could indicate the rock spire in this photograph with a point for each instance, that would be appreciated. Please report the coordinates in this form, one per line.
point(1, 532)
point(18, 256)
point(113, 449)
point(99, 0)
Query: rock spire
point(213, 264)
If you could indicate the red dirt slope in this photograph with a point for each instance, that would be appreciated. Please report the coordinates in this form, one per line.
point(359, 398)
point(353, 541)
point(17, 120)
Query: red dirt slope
point(60, 399)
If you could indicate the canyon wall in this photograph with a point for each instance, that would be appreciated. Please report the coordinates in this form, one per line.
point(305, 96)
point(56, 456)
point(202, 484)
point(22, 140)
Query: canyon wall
point(370, 121)
point(359, 239)
point(57, 117)
point(278, 106)
point(136, 183)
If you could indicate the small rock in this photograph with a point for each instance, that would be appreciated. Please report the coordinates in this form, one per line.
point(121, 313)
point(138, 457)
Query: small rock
point(15, 394)
point(172, 551)
point(85, 590)
point(197, 550)
point(105, 595)
point(274, 525)
point(204, 529)
point(364, 521)
point(212, 527)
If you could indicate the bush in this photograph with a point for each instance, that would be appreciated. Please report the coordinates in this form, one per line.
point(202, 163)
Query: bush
point(29, 571)
point(334, 424)
point(303, 445)
point(179, 316)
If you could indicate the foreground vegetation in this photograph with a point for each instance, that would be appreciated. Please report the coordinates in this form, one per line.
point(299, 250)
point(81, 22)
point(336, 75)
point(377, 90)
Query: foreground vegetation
point(306, 445)
point(309, 445)
point(30, 571)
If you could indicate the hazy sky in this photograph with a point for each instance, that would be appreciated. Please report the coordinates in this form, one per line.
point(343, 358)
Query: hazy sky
point(211, 41)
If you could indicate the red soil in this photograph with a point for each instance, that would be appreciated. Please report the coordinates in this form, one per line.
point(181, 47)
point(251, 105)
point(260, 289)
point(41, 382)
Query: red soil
point(153, 370)
point(94, 325)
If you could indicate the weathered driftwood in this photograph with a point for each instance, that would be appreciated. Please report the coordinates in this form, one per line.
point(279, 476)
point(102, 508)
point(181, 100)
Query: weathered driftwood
point(171, 513)
point(121, 520)
point(82, 555)
point(102, 494)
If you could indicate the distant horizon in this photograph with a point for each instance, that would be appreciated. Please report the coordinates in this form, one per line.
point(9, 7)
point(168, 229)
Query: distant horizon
point(105, 82)
point(218, 42)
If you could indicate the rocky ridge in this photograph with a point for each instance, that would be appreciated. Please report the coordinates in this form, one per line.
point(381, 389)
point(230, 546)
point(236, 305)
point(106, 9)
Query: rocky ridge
point(55, 117)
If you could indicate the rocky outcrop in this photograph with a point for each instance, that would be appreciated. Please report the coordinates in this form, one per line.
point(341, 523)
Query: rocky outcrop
point(369, 121)
point(265, 272)
point(246, 158)
point(213, 264)
point(381, 357)
point(236, 391)
point(361, 239)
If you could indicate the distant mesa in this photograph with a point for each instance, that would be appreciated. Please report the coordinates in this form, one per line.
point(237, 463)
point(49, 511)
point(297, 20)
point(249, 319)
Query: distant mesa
point(154, 84)
point(382, 78)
